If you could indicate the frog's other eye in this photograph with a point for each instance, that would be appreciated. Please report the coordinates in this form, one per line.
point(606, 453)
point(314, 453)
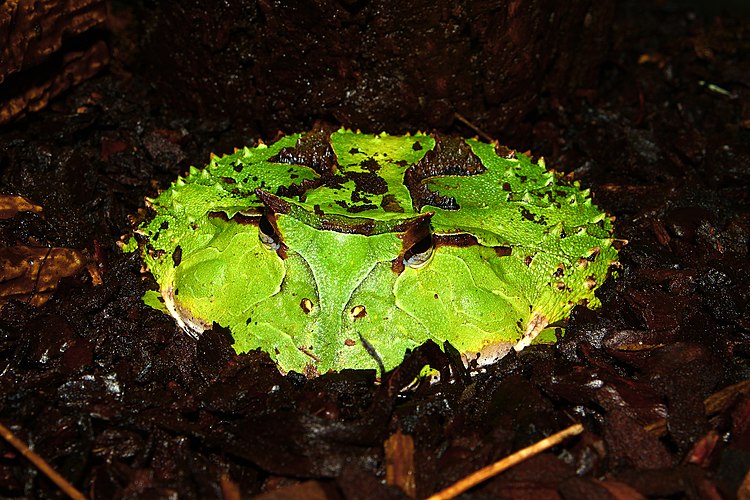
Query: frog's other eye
point(420, 253)
point(267, 235)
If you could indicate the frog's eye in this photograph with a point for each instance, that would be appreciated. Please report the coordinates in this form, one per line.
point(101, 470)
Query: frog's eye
point(420, 253)
point(267, 234)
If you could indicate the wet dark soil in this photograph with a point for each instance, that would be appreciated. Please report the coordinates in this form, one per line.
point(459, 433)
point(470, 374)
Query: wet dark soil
point(124, 405)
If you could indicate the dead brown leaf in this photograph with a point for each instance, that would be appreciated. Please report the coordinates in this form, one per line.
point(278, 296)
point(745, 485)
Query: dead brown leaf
point(11, 204)
point(31, 274)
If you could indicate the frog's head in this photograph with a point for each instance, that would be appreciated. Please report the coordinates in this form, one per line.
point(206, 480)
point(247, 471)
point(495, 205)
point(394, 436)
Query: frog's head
point(404, 240)
point(340, 250)
point(342, 254)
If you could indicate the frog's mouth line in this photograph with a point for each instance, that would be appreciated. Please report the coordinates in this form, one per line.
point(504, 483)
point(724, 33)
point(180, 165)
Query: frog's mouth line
point(486, 356)
point(185, 320)
point(497, 350)
point(534, 327)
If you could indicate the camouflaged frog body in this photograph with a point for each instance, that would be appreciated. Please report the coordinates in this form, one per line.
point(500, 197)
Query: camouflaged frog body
point(343, 250)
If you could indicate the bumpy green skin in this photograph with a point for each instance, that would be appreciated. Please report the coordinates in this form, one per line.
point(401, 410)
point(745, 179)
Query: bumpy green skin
point(515, 248)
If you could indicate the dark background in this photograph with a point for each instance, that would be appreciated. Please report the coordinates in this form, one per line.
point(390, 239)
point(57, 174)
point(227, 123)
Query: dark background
point(645, 103)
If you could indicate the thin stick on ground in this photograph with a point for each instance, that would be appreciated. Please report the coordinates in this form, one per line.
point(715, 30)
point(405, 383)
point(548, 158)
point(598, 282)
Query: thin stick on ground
point(506, 463)
point(41, 464)
point(473, 127)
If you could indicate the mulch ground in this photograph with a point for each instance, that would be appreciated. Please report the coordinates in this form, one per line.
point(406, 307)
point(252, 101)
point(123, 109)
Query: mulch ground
point(124, 405)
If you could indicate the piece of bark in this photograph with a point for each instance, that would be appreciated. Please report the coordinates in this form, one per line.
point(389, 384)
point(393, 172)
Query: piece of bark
point(399, 463)
point(47, 47)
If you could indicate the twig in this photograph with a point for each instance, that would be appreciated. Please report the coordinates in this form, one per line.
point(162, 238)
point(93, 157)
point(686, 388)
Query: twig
point(41, 464)
point(473, 127)
point(38, 275)
point(506, 463)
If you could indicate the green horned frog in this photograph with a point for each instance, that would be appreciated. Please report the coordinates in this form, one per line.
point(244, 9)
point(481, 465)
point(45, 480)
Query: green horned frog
point(345, 250)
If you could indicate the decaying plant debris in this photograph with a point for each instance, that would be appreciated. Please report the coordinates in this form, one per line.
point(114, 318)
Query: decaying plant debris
point(122, 404)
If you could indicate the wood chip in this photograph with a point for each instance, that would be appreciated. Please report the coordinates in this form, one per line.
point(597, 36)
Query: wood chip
point(399, 463)
point(712, 405)
point(47, 48)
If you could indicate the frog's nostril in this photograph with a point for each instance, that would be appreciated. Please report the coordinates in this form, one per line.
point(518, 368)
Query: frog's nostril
point(358, 312)
point(306, 305)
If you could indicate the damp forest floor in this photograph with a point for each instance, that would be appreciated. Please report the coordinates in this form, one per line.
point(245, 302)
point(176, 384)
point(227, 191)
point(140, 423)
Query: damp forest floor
point(124, 405)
